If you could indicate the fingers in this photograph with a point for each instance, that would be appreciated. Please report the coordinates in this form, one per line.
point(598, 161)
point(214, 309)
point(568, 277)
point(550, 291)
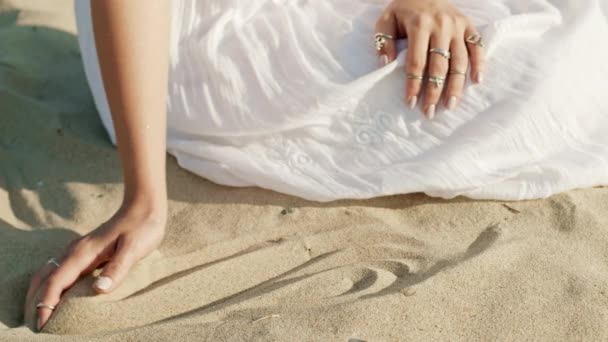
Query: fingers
point(437, 71)
point(36, 282)
point(457, 74)
point(386, 47)
point(63, 277)
point(418, 36)
point(117, 268)
point(476, 53)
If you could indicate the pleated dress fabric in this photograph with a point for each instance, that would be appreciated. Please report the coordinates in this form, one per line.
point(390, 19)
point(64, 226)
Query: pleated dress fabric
point(287, 95)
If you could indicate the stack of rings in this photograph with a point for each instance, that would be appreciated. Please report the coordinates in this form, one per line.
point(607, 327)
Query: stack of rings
point(41, 304)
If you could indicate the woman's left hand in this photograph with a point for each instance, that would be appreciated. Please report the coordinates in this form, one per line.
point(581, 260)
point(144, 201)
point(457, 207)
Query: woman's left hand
point(131, 234)
point(441, 41)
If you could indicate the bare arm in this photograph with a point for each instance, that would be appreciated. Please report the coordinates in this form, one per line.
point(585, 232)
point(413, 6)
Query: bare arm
point(132, 39)
point(132, 43)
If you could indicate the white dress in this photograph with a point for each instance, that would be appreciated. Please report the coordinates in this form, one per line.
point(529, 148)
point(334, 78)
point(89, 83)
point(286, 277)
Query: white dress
point(286, 95)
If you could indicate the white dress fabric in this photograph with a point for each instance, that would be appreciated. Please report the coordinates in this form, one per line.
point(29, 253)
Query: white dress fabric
point(286, 95)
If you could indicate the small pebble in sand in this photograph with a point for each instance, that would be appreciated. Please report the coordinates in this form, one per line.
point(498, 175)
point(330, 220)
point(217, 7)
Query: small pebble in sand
point(286, 211)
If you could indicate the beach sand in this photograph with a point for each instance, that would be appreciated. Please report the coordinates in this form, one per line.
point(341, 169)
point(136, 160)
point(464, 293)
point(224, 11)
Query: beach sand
point(242, 264)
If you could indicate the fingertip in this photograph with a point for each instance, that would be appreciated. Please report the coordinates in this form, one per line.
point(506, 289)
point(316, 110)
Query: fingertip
point(383, 60)
point(451, 103)
point(99, 291)
point(41, 320)
point(430, 111)
point(386, 56)
point(413, 100)
point(103, 284)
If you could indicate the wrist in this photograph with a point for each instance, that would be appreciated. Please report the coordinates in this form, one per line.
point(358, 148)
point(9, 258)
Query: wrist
point(151, 204)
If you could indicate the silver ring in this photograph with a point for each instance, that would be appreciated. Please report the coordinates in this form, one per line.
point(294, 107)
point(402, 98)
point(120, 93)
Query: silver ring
point(380, 39)
point(438, 81)
point(46, 306)
point(475, 39)
point(414, 77)
point(443, 52)
point(52, 261)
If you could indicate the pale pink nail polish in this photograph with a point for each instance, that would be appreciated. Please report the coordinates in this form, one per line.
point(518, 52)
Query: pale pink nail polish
point(479, 77)
point(382, 60)
point(452, 102)
point(412, 102)
point(430, 111)
point(103, 283)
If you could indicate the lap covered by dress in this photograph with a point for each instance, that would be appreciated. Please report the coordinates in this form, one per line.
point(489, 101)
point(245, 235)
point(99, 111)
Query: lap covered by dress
point(286, 95)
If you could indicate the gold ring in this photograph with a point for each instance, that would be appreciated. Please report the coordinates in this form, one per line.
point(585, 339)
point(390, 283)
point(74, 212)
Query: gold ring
point(475, 39)
point(458, 72)
point(414, 77)
point(52, 261)
point(46, 306)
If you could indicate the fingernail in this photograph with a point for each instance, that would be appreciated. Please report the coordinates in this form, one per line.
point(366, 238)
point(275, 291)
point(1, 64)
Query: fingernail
point(382, 60)
point(452, 102)
point(412, 102)
point(479, 77)
point(430, 112)
point(103, 283)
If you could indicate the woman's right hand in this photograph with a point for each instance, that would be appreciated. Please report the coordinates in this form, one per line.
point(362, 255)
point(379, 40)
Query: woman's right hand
point(131, 234)
point(437, 25)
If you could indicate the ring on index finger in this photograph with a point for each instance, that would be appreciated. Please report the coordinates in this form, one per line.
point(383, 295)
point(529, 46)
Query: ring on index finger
point(380, 40)
point(46, 306)
point(475, 39)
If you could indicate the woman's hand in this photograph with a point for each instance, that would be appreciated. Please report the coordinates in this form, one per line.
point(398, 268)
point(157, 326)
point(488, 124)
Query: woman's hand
point(131, 234)
point(432, 24)
point(132, 40)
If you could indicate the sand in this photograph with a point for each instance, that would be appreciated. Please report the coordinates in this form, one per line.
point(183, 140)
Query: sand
point(242, 264)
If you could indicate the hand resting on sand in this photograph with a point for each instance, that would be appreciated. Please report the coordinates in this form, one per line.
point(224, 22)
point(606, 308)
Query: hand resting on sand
point(131, 234)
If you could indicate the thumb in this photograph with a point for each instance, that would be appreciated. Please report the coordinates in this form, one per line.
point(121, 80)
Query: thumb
point(116, 269)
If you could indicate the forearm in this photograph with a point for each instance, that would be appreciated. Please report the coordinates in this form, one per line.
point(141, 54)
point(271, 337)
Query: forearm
point(132, 39)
